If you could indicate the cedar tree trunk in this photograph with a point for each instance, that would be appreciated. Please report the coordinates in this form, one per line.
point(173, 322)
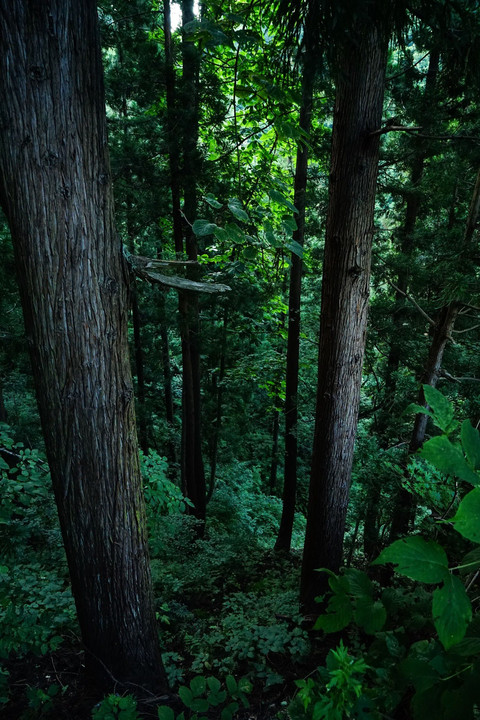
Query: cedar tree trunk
point(56, 191)
point(345, 292)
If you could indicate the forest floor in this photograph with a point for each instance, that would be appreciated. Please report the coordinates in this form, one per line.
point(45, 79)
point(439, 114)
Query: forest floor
point(32, 677)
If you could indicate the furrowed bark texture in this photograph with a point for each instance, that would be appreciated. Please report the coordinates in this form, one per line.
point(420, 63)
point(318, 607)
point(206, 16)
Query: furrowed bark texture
point(56, 190)
point(345, 292)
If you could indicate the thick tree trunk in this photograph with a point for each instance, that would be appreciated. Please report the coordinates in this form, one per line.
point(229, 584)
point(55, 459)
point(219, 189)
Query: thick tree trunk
point(56, 191)
point(345, 292)
point(284, 539)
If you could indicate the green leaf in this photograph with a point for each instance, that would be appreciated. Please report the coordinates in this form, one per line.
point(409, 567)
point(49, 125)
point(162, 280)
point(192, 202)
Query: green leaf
point(338, 616)
point(165, 713)
point(467, 647)
point(231, 684)
point(452, 611)
point(371, 616)
point(186, 696)
point(277, 196)
point(471, 443)
point(417, 409)
point(359, 584)
point(448, 459)
point(235, 207)
point(467, 518)
point(4, 465)
point(212, 201)
point(442, 408)
point(200, 705)
point(198, 685)
point(295, 248)
point(214, 684)
point(417, 559)
point(201, 228)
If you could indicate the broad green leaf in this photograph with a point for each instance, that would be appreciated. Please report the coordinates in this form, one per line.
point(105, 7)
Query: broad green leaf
point(217, 697)
point(452, 611)
point(467, 518)
point(165, 713)
point(295, 248)
point(338, 616)
point(245, 686)
point(417, 559)
point(199, 705)
point(471, 443)
point(467, 647)
point(231, 684)
point(198, 685)
point(370, 615)
point(470, 561)
point(277, 196)
point(420, 672)
point(4, 465)
point(359, 584)
point(186, 695)
point(235, 207)
point(448, 459)
point(416, 408)
point(214, 684)
point(442, 408)
point(201, 228)
point(212, 201)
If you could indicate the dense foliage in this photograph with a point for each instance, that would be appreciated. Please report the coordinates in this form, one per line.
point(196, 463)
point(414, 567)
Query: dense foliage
point(397, 633)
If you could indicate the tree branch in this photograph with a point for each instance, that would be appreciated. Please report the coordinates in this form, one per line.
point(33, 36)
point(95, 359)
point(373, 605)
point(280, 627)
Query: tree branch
point(414, 302)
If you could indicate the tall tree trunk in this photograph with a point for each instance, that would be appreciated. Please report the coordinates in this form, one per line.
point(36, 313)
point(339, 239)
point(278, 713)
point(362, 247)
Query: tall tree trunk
point(193, 473)
point(56, 191)
point(345, 292)
point(172, 131)
point(413, 203)
point(284, 539)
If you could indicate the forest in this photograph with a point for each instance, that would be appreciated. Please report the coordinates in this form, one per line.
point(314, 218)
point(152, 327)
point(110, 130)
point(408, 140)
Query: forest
point(239, 360)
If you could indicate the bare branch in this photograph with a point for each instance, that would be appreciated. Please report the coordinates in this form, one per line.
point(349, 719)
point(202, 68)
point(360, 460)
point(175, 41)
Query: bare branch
point(414, 302)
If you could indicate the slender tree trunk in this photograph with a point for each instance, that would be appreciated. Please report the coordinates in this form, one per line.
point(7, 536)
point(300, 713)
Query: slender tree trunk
point(405, 505)
point(139, 369)
point(56, 191)
point(193, 473)
point(345, 292)
point(219, 407)
point(284, 539)
point(172, 131)
point(3, 410)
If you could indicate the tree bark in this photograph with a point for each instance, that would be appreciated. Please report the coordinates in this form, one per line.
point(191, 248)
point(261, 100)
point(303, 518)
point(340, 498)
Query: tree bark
point(56, 191)
point(345, 292)
point(284, 539)
point(193, 472)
